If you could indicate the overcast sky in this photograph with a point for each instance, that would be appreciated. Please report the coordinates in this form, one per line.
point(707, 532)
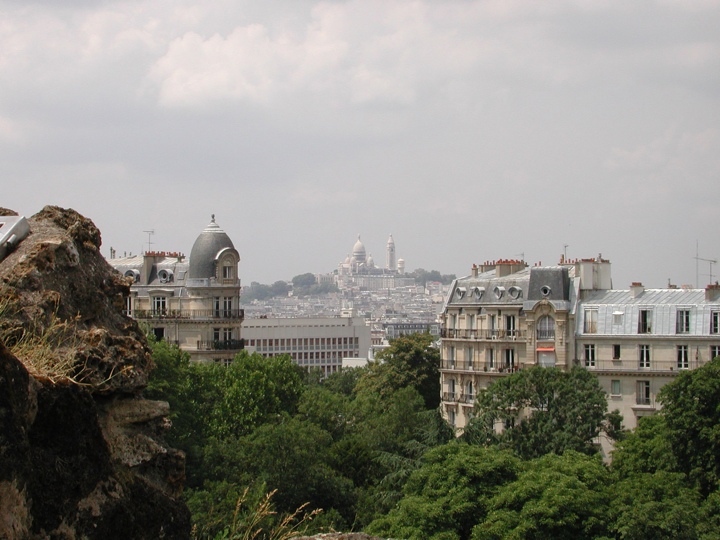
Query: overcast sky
point(470, 130)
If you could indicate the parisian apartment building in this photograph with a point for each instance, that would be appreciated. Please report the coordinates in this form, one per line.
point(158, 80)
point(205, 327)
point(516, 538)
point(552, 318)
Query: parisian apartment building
point(506, 316)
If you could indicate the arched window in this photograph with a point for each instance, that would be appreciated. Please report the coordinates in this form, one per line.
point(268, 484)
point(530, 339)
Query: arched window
point(546, 327)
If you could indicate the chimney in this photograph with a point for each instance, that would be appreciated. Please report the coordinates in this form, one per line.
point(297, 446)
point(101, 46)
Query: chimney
point(636, 289)
point(712, 292)
point(474, 271)
point(505, 267)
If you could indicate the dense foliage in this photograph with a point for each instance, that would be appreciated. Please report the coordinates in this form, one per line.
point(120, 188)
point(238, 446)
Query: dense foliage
point(344, 444)
point(542, 410)
point(423, 276)
point(368, 447)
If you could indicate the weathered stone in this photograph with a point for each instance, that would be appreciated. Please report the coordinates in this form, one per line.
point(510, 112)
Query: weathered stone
point(82, 455)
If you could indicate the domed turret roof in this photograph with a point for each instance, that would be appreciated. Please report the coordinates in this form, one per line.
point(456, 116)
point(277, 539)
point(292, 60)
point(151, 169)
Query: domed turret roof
point(359, 251)
point(206, 249)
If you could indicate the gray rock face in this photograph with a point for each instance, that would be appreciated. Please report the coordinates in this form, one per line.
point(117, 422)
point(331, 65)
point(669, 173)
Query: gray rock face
point(81, 453)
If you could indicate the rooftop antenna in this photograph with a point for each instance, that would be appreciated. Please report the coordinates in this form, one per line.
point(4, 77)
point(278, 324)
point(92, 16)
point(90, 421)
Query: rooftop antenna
point(697, 259)
point(150, 234)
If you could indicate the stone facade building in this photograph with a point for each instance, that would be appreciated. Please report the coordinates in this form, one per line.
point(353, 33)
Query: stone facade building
point(193, 303)
point(506, 316)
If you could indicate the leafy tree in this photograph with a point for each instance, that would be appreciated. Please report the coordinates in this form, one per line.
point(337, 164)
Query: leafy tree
point(566, 412)
point(304, 280)
point(292, 457)
point(656, 505)
point(708, 527)
point(422, 276)
point(410, 360)
point(280, 288)
point(646, 450)
point(692, 415)
point(449, 493)
point(252, 391)
point(561, 497)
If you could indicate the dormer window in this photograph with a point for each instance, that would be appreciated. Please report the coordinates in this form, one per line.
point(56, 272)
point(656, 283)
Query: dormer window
point(227, 270)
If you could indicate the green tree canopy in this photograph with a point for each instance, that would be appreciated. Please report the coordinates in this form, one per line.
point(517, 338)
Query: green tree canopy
point(449, 494)
point(409, 361)
point(558, 497)
point(566, 412)
point(657, 505)
point(646, 450)
point(691, 411)
point(304, 280)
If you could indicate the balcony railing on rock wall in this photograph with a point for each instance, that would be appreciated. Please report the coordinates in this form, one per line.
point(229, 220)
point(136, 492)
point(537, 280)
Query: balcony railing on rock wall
point(188, 314)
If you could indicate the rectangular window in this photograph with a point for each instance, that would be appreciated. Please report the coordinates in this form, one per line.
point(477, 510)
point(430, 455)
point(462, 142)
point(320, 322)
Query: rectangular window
point(490, 357)
point(469, 357)
point(715, 322)
point(644, 356)
point(591, 318)
point(645, 321)
point(589, 354)
point(227, 334)
point(216, 306)
point(615, 389)
point(616, 352)
point(227, 272)
point(510, 358)
point(714, 351)
point(451, 356)
point(216, 334)
point(682, 321)
point(617, 318)
point(510, 325)
point(159, 305)
point(128, 306)
point(683, 361)
point(227, 306)
point(643, 393)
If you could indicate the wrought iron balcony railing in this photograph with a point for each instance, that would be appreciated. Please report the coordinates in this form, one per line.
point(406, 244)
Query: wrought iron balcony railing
point(464, 333)
point(188, 314)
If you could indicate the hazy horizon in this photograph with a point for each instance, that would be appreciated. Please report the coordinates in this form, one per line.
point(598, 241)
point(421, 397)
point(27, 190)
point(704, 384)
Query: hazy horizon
point(470, 130)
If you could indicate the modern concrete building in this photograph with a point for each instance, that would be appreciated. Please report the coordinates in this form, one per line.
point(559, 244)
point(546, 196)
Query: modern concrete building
point(318, 342)
point(193, 303)
point(506, 316)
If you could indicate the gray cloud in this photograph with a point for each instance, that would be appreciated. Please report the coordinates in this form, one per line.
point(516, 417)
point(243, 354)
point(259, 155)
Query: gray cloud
point(470, 130)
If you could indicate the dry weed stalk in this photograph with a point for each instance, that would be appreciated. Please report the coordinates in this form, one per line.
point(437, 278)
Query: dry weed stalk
point(46, 351)
point(249, 526)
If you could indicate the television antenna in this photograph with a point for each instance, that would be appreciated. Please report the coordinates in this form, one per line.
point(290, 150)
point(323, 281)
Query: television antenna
point(150, 233)
point(697, 262)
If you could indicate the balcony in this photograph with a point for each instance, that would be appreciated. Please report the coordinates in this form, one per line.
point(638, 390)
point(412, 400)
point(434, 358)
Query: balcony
point(476, 367)
point(545, 334)
point(456, 397)
point(463, 333)
point(221, 345)
point(187, 314)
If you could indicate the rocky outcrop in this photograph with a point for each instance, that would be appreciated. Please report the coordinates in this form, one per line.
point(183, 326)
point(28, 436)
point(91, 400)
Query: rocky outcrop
point(81, 452)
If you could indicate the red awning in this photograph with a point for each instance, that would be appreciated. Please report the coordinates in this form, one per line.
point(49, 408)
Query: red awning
point(546, 349)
